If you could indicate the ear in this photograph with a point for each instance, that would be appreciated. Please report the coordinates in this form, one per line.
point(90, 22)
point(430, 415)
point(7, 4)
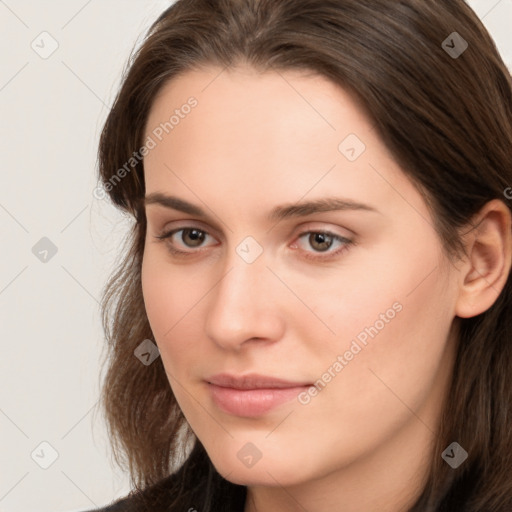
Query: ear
point(487, 262)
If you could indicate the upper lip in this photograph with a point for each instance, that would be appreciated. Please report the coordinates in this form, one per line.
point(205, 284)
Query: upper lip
point(252, 381)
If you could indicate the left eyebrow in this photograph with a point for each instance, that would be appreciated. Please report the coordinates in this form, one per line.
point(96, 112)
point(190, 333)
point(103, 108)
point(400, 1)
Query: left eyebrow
point(321, 205)
point(278, 213)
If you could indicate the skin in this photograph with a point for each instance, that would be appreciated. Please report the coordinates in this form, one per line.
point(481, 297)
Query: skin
point(256, 141)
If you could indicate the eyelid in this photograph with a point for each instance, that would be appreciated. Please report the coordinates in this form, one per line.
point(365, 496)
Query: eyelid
point(335, 236)
point(325, 227)
point(172, 227)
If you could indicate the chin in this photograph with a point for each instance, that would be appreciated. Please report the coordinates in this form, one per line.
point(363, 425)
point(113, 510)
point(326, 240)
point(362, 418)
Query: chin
point(268, 474)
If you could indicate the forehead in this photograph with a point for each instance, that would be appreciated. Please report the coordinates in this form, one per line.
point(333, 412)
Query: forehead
point(274, 136)
point(246, 95)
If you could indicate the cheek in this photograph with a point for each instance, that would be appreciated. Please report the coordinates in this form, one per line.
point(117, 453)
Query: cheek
point(390, 315)
point(170, 296)
point(374, 294)
point(397, 364)
point(172, 299)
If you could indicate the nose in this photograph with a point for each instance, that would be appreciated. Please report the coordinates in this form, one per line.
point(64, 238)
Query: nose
point(244, 306)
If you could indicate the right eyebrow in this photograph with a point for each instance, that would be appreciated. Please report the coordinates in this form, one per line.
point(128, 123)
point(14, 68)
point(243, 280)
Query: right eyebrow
point(174, 203)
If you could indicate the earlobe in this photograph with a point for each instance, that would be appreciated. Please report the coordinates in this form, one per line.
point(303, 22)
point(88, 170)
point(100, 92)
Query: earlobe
point(488, 259)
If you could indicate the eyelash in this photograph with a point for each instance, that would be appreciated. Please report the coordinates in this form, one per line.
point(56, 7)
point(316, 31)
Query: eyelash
point(308, 255)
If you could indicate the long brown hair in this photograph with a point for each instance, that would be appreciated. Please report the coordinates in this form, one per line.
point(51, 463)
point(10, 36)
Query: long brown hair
point(447, 120)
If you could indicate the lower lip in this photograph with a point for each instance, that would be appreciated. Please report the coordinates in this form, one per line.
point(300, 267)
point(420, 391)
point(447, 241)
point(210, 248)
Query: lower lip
point(252, 402)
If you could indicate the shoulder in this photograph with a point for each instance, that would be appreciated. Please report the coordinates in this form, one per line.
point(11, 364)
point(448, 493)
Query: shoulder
point(126, 504)
point(140, 501)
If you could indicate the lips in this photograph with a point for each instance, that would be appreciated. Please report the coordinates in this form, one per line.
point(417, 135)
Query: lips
point(251, 395)
point(252, 381)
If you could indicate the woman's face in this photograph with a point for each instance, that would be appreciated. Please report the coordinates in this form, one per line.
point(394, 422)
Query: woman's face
point(306, 255)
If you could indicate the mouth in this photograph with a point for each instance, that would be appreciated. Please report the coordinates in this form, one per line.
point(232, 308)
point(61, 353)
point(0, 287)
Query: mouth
point(252, 395)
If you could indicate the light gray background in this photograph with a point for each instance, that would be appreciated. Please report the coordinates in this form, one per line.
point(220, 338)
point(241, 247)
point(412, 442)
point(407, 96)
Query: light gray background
point(52, 110)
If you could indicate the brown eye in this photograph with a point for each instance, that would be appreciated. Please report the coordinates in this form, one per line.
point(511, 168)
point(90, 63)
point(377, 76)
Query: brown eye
point(192, 237)
point(185, 238)
point(321, 245)
point(320, 241)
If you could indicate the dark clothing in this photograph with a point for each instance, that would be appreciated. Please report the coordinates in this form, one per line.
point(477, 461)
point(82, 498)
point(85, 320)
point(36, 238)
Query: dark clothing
point(147, 500)
point(195, 487)
point(210, 493)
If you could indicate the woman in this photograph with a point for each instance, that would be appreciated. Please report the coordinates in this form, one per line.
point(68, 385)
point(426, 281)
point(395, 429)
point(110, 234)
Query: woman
point(314, 307)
